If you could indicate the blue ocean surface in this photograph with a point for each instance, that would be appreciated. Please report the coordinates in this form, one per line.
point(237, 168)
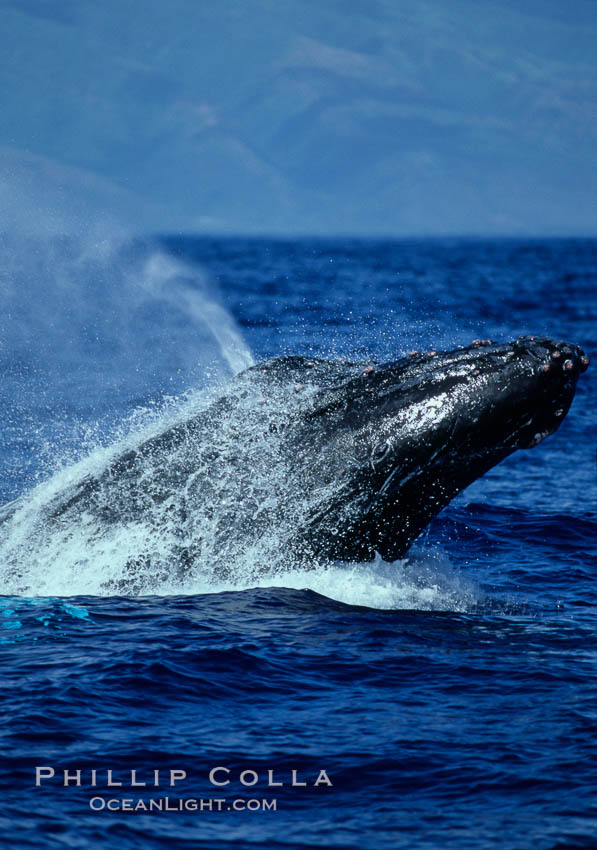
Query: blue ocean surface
point(446, 700)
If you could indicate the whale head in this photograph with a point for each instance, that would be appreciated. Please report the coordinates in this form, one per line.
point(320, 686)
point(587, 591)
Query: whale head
point(408, 436)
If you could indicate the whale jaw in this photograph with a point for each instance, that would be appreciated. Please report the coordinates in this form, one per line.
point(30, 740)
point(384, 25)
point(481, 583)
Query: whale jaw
point(409, 436)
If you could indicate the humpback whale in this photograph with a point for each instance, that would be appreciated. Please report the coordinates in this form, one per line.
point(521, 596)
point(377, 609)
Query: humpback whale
point(321, 460)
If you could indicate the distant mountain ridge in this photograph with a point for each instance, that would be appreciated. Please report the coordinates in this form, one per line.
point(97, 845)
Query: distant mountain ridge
point(296, 116)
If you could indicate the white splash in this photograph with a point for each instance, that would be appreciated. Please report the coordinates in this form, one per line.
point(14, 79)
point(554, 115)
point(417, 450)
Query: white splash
point(98, 292)
point(425, 581)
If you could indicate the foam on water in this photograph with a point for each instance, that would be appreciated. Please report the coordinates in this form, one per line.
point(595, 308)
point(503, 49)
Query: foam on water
point(425, 581)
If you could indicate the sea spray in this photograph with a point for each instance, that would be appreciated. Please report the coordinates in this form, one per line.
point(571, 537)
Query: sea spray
point(93, 329)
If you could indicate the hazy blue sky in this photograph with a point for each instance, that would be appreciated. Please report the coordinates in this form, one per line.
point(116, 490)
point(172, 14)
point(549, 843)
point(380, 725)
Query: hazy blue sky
point(303, 116)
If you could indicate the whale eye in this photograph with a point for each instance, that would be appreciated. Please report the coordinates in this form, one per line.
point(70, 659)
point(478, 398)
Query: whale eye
point(379, 452)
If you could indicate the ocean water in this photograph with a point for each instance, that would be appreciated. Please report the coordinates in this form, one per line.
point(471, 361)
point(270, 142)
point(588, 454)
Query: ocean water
point(450, 699)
